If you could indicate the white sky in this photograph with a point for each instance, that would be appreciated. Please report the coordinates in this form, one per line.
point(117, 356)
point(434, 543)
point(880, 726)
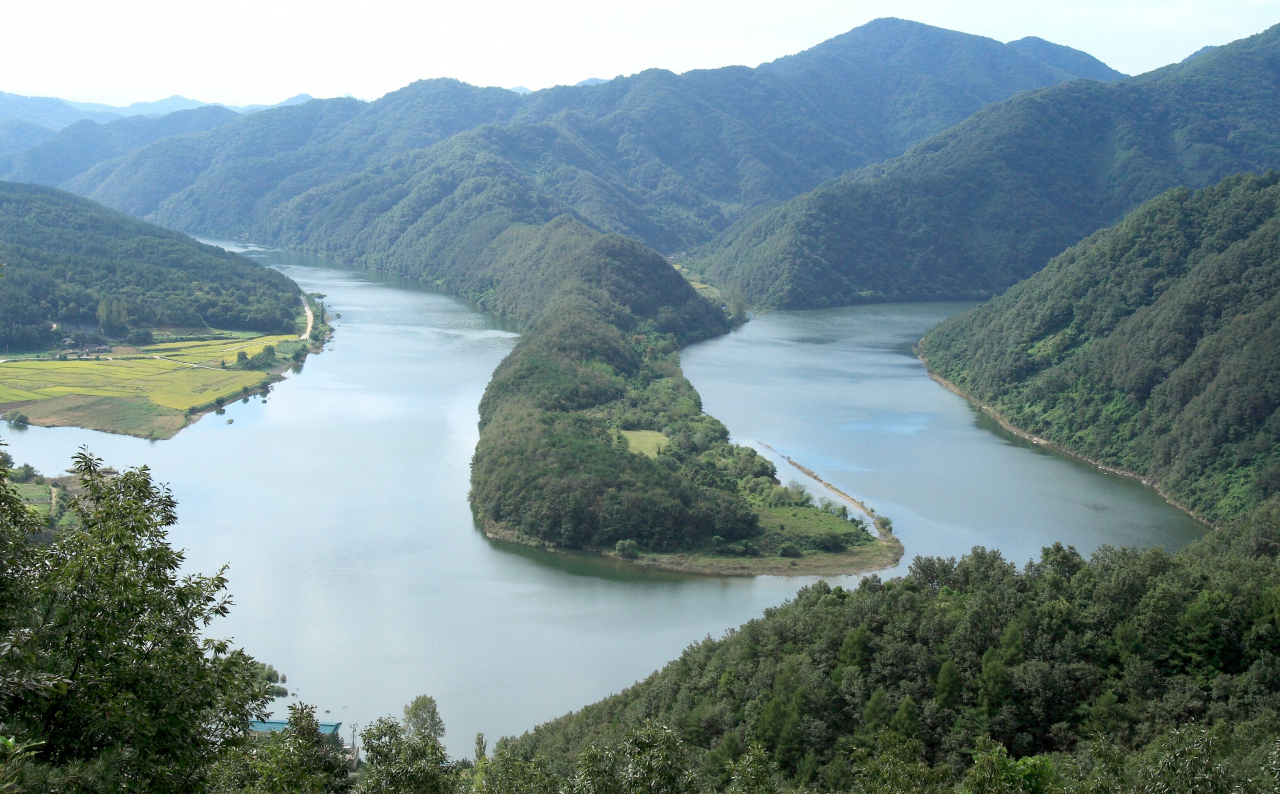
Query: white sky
point(120, 51)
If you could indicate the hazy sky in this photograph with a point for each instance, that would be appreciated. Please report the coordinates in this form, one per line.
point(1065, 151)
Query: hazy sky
point(119, 51)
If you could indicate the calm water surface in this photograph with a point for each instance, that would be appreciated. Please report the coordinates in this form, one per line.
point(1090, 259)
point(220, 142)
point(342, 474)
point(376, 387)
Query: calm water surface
point(339, 503)
point(841, 392)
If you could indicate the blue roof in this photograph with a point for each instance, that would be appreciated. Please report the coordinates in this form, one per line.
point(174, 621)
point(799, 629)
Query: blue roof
point(275, 726)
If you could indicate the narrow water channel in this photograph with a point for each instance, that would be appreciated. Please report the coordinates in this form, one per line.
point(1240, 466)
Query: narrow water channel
point(340, 504)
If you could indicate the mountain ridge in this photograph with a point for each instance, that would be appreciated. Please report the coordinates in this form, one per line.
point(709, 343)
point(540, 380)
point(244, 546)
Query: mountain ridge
point(970, 211)
point(696, 149)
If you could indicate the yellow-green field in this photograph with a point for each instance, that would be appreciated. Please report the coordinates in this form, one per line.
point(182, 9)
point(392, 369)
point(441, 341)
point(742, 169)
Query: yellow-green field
point(695, 281)
point(645, 442)
point(145, 391)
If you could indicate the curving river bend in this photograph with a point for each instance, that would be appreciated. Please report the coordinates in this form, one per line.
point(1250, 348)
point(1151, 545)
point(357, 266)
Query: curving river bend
point(339, 503)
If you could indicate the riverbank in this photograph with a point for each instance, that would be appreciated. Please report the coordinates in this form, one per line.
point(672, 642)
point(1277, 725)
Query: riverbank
point(873, 554)
point(153, 391)
point(1004, 423)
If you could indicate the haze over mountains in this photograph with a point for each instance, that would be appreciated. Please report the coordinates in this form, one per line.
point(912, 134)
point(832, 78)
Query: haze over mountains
point(28, 121)
point(668, 159)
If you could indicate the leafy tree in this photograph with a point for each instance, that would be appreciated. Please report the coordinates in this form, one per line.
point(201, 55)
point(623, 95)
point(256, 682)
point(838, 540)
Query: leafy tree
point(400, 761)
point(422, 718)
point(298, 760)
point(994, 772)
point(106, 676)
point(649, 760)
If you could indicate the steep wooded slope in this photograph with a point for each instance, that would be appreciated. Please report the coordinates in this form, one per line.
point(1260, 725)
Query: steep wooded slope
point(987, 203)
point(1153, 346)
point(76, 263)
point(1090, 671)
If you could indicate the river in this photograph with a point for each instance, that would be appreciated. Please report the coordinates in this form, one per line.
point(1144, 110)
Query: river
point(841, 392)
point(339, 503)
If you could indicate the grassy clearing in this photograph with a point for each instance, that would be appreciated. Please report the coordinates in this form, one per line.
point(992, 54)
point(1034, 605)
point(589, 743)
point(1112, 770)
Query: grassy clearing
point(645, 442)
point(145, 391)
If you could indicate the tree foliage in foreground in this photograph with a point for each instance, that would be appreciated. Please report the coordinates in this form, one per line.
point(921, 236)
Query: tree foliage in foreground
point(106, 677)
point(1153, 346)
point(1127, 666)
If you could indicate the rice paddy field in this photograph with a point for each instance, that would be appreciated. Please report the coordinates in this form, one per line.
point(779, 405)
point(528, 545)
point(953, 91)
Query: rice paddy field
point(146, 391)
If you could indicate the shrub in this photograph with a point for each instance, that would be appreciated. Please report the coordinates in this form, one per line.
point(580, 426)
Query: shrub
point(140, 336)
point(627, 549)
point(789, 549)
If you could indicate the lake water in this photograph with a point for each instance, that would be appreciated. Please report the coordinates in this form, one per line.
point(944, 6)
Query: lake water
point(841, 392)
point(339, 503)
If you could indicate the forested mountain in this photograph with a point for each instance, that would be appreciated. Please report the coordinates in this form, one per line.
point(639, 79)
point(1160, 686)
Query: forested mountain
point(73, 262)
point(669, 159)
point(604, 316)
point(17, 135)
point(84, 144)
point(1132, 671)
point(988, 202)
point(46, 111)
point(1067, 59)
point(1153, 346)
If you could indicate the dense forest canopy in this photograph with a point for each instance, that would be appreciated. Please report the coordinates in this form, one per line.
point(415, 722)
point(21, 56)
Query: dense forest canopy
point(971, 211)
point(80, 265)
point(604, 317)
point(1153, 346)
point(1129, 671)
point(668, 159)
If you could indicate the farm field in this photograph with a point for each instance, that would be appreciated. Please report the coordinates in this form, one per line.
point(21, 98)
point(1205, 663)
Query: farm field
point(149, 391)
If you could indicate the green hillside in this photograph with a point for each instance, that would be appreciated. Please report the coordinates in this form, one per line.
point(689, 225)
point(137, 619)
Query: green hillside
point(80, 265)
point(668, 159)
point(605, 317)
point(1130, 672)
point(1153, 346)
point(80, 146)
point(988, 202)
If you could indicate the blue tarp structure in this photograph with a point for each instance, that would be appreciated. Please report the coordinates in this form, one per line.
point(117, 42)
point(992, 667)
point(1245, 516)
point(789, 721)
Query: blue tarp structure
point(275, 726)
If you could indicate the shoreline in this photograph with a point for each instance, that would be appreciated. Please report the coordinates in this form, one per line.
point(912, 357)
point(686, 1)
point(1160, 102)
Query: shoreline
point(78, 410)
point(882, 553)
point(811, 474)
point(1044, 442)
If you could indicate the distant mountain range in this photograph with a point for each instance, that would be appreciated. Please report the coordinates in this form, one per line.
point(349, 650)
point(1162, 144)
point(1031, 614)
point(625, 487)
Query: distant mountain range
point(969, 212)
point(668, 159)
point(84, 144)
point(178, 102)
point(56, 113)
